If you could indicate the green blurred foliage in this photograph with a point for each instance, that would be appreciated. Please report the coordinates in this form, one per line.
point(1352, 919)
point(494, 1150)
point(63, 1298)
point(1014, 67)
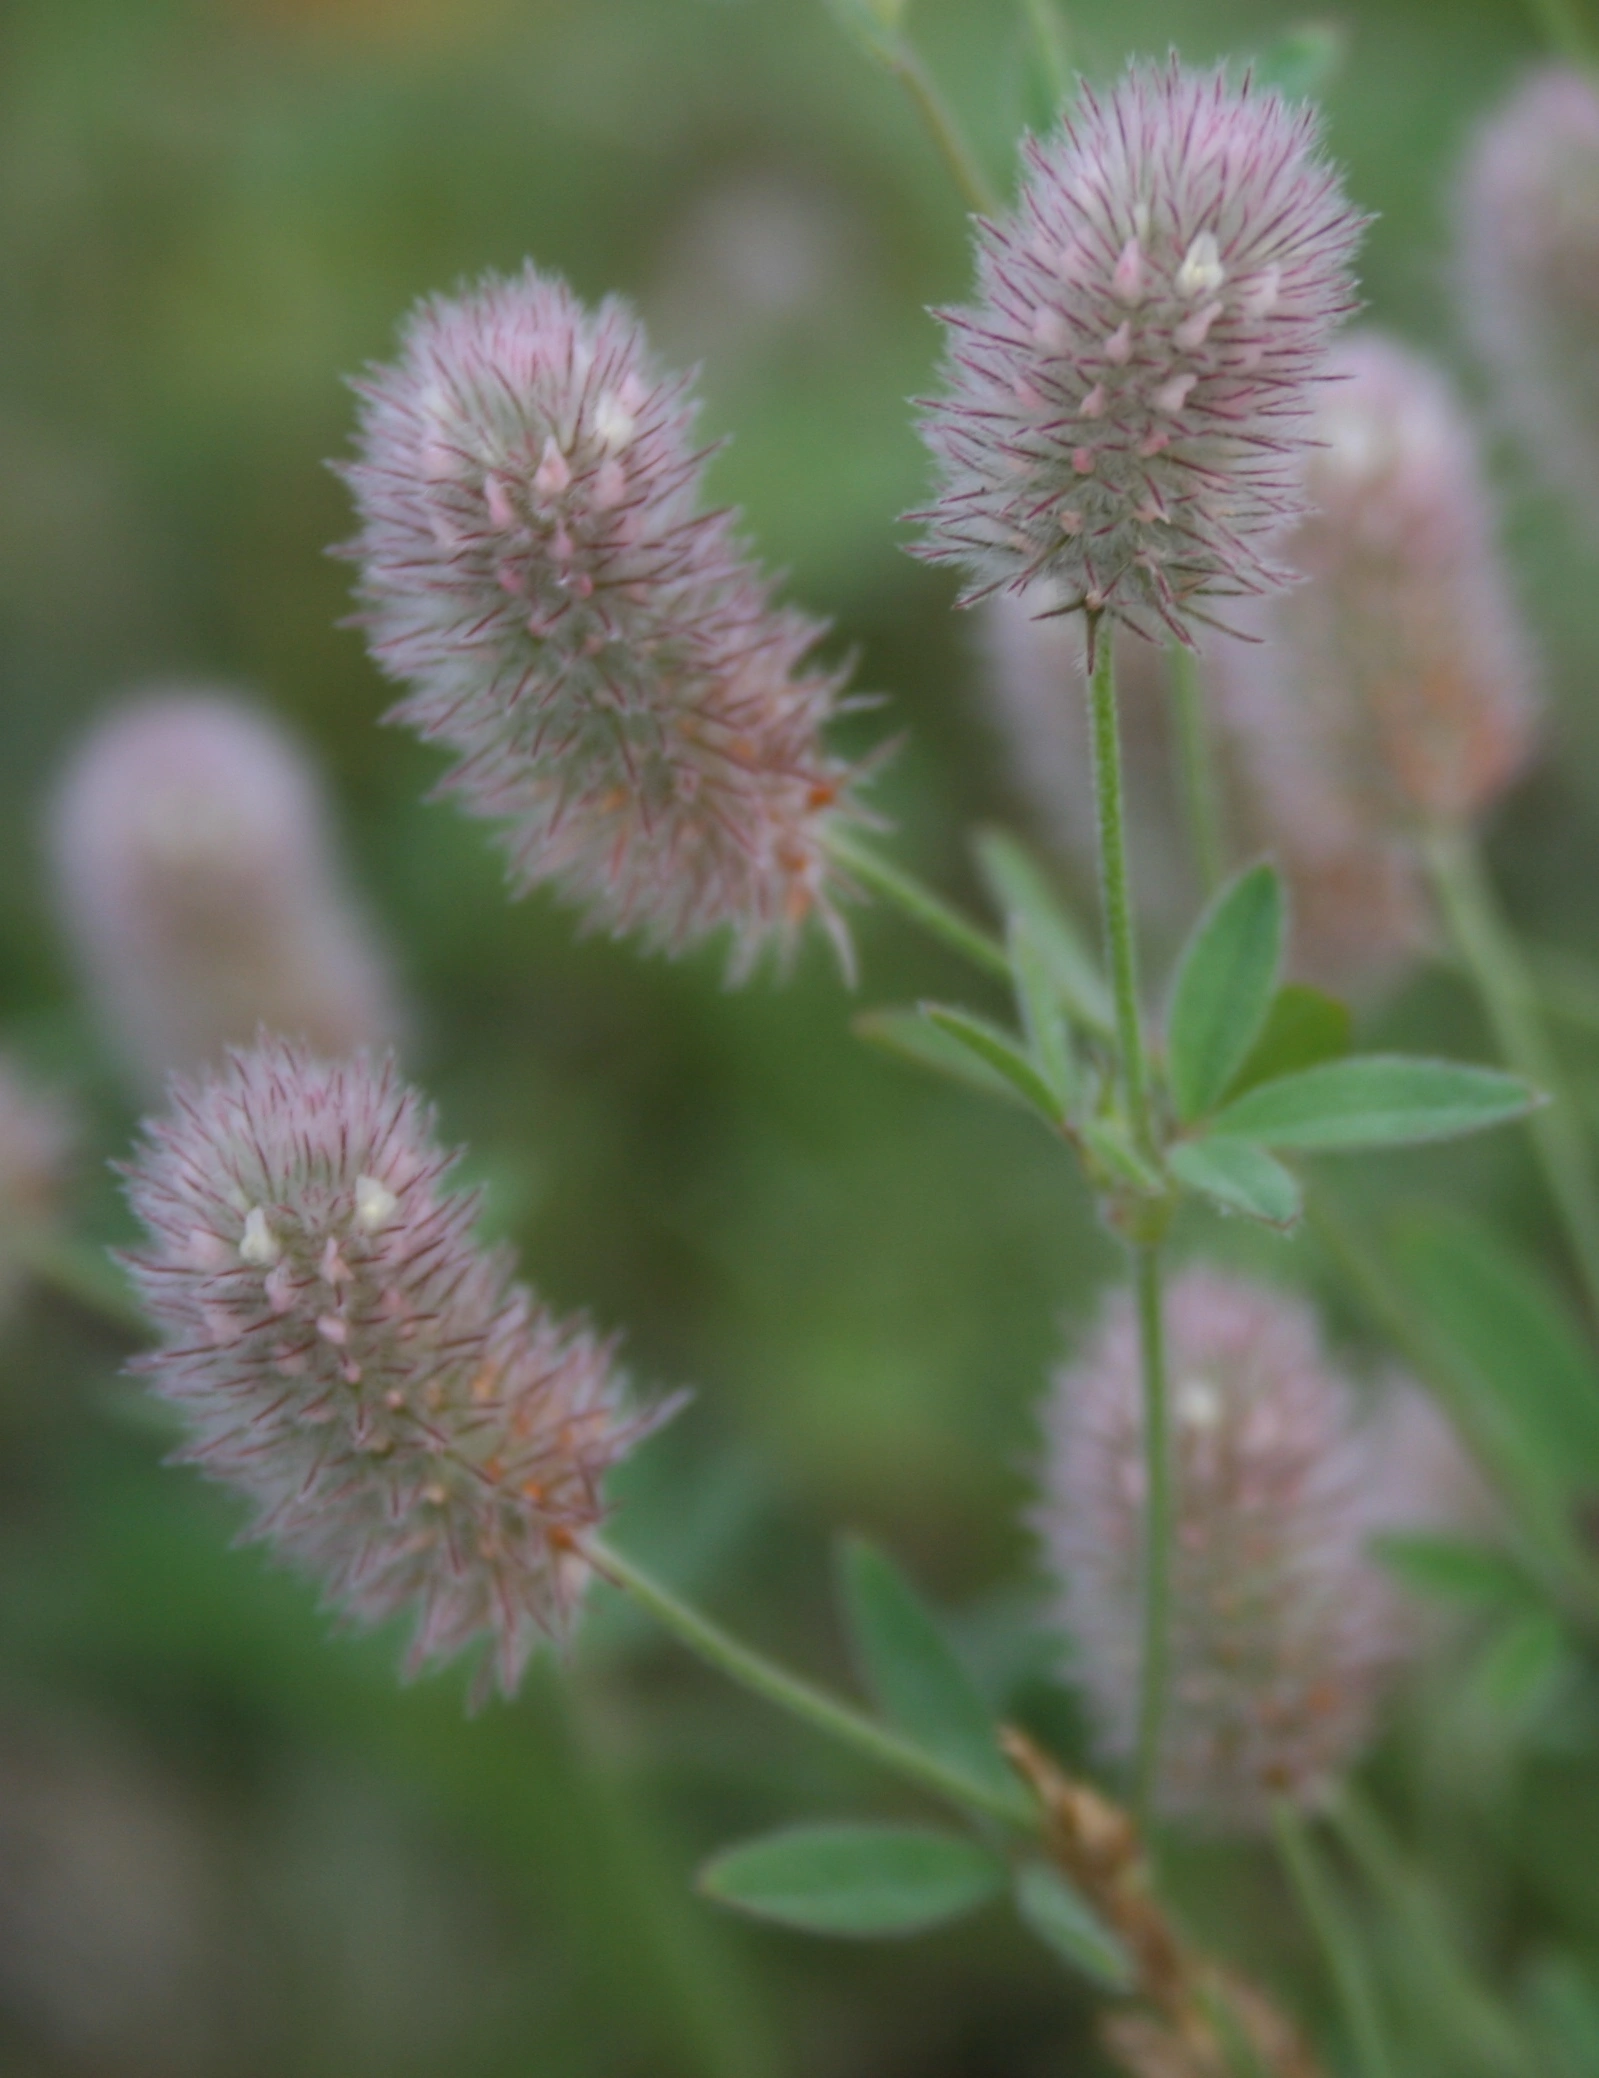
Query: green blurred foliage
point(258, 1853)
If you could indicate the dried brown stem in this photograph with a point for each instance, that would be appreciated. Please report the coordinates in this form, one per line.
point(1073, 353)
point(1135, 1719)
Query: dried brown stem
point(1193, 2018)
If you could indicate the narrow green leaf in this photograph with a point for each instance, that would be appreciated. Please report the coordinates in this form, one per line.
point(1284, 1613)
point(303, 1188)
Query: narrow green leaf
point(1455, 1569)
point(1303, 1028)
point(908, 1668)
point(872, 23)
point(1238, 1176)
point(1109, 1145)
point(1375, 1100)
point(910, 1037)
point(1225, 982)
point(1522, 1662)
point(1529, 1381)
point(1304, 62)
point(1064, 1921)
point(1043, 1020)
point(859, 1880)
point(999, 1051)
point(1563, 2000)
point(1020, 887)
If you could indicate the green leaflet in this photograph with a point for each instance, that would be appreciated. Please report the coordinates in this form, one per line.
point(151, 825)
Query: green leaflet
point(1065, 1922)
point(1238, 1176)
point(1226, 979)
point(859, 1880)
point(1020, 888)
point(1303, 1027)
point(910, 1671)
point(1374, 1100)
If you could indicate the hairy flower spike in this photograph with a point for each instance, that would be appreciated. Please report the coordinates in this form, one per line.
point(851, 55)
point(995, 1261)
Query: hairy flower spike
point(411, 1427)
point(196, 877)
point(1284, 1631)
point(596, 647)
point(1528, 271)
point(1126, 402)
point(1394, 685)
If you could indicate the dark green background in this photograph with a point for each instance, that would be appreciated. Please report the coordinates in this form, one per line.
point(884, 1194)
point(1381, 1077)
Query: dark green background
point(259, 1855)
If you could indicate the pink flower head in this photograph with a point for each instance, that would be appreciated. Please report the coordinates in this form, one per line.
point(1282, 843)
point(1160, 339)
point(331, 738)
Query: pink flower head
point(1528, 273)
point(197, 880)
point(1394, 685)
point(1284, 1631)
point(411, 1427)
point(608, 665)
point(1127, 401)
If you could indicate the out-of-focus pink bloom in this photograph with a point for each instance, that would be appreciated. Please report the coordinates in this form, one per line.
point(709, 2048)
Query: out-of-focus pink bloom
point(196, 877)
point(1126, 403)
point(1394, 685)
point(1285, 1631)
point(608, 665)
point(1528, 271)
point(412, 1428)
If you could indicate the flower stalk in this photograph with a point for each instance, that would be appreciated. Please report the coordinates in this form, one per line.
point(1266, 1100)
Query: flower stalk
point(923, 908)
point(1121, 957)
point(1329, 1923)
point(812, 1705)
point(1487, 948)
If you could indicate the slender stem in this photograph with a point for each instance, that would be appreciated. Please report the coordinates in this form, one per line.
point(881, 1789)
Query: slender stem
point(1115, 890)
point(1196, 766)
point(87, 1277)
point(1563, 28)
point(1121, 954)
point(1329, 1922)
point(800, 1698)
point(1049, 34)
point(920, 904)
point(1155, 1669)
point(1485, 2037)
point(1488, 949)
point(977, 190)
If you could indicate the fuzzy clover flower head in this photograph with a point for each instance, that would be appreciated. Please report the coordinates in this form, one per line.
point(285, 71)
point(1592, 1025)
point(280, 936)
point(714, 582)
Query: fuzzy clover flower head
point(196, 875)
point(1394, 685)
point(1527, 273)
point(1285, 1633)
point(538, 569)
point(1126, 404)
point(412, 1428)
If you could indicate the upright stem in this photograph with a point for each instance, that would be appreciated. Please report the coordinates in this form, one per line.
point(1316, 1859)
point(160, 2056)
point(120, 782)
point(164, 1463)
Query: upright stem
point(1330, 1924)
point(1488, 949)
point(1115, 889)
point(1154, 1679)
point(1122, 959)
point(935, 916)
point(976, 190)
point(86, 1276)
point(1054, 49)
point(827, 1714)
point(1485, 2036)
point(1196, 768)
